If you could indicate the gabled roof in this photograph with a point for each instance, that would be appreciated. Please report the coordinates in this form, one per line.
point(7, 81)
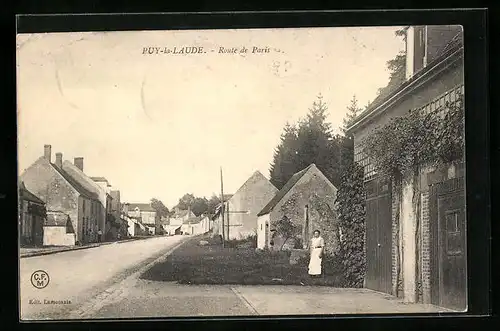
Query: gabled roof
point(141, 206)
point(281, 193)
point(451, 52)
point(24, 194)
point(82, 190)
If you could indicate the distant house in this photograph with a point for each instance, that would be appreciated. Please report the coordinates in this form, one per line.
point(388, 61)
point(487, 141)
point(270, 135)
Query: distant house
point(195, 225)
point(180, 215)
point(134, 226)
point(300, 201)
point(113, 225)
point(240, 210)
point(32, 215)
point(63, 194)
point(76, 171)
point(172, 229)
point(205, 224)
point(146, 213)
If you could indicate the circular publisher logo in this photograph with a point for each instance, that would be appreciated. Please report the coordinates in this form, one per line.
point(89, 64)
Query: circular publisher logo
point(40, 279)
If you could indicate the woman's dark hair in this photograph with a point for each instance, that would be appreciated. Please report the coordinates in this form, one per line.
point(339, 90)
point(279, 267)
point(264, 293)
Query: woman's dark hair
point(317, 231)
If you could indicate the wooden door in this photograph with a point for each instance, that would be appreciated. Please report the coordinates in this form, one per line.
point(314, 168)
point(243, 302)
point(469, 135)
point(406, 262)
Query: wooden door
point(448, 226)
point(378, 235)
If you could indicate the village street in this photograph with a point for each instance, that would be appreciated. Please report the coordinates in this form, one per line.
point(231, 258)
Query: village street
point(80, 275)
point(103, 282)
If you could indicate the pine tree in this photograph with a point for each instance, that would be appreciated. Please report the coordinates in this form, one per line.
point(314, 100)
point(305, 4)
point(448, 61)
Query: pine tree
point(309, 141)
point(316, 143)
point(284, 160)
point(353, 110)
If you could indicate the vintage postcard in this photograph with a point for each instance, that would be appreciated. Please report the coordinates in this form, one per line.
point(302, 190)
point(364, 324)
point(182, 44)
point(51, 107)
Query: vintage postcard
point(244, 172)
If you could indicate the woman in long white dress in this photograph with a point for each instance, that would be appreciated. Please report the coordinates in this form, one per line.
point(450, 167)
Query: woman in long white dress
point(316, 247)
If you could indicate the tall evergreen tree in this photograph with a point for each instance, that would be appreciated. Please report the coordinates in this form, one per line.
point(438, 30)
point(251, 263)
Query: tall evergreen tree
point(353, 110)
point(317, 144)
point(284, 159)
point(310, 141)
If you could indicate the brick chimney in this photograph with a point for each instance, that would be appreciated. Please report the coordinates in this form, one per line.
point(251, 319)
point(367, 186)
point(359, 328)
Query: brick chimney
point(78, 162)
point(59, 160)
point(47, 152)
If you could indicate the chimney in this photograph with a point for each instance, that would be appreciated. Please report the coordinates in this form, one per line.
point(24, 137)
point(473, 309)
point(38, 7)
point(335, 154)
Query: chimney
point(79, 162)
point(47, 152)
point(59, 160)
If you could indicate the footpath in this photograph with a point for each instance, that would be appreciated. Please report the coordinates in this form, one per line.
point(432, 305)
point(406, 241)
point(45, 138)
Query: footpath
point(38, 251)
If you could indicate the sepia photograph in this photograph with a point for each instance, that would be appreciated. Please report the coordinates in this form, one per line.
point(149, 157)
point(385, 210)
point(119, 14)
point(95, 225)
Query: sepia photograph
point(241, 172)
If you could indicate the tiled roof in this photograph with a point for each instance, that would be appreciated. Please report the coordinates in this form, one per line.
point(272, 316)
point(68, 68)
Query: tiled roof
point(83, 191)
point(281, 193)
point(141, 206)
point(24, 194)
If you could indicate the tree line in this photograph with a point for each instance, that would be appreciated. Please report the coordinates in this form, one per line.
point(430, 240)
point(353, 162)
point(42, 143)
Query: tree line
point(198, 205)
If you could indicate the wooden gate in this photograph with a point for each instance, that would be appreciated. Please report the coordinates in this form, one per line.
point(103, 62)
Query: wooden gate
point(448, 249)
point(379, 234)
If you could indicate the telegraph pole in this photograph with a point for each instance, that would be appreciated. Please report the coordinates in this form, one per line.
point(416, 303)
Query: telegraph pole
point(222, 208)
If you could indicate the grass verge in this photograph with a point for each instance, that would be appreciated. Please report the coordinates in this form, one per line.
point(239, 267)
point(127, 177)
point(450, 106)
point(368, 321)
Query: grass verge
point(235, 265)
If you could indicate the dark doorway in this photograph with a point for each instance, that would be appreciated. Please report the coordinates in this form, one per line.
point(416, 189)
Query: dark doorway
point(447, 220)
point(37, 227)
point(379, 235)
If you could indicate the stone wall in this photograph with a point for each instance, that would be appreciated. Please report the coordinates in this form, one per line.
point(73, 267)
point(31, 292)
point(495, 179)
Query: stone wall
point(293, 206)
point(44, 181)
point(57, 236)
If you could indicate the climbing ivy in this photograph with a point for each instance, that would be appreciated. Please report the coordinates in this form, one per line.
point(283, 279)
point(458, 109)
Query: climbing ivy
point(350, 205)
point(419, 138)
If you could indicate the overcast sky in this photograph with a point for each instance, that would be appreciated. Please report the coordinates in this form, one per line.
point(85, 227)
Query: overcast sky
point(162, 125)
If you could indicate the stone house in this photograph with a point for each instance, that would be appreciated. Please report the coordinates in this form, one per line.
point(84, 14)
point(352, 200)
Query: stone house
point(64, 195)
point(112, 205)
point(240, 210)
point(205, 224)
point(76, 171)
point(307, 200)
point(32, 215)
point(415, 239)
point(145, 213)
point(179, 216)
point(195, 225)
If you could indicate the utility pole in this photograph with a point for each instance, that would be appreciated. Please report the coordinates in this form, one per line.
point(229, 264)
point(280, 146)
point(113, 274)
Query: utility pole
point(222, 208)
point(227, 220)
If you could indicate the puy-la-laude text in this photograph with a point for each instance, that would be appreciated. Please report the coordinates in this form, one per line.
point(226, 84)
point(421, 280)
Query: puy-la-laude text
point(153, 50)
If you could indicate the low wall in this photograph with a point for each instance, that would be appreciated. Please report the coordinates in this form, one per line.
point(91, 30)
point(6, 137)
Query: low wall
point(57, 236)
